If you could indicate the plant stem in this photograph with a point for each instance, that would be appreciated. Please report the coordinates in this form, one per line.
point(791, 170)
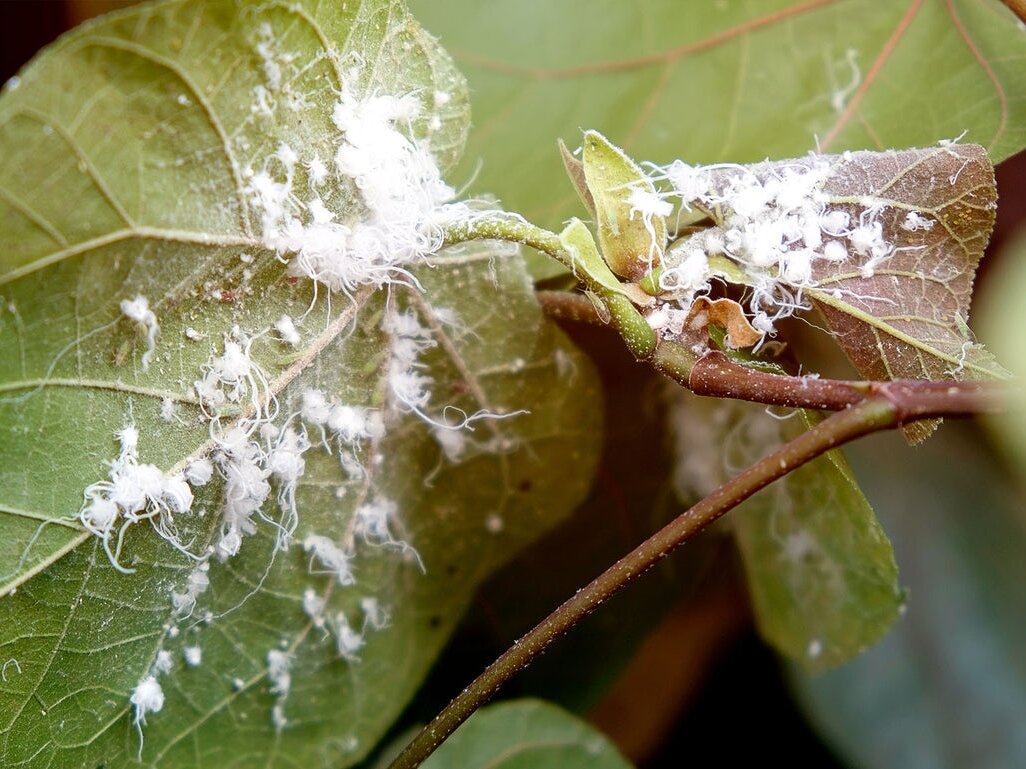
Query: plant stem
point(714, 374)
point(569, 305)
point(886, 408)
point(623, 315)
point(511, 229)
point(1018, 7)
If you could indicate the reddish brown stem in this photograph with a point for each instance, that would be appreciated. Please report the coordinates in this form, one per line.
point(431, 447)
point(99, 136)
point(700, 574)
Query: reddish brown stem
point(568, 305)
point(714, 374)
point(1018, 7)
point(877, 412)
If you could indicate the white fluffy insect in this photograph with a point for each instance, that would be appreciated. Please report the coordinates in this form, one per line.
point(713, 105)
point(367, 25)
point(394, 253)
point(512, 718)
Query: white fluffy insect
point(373, 521)
point(243, 464)
point(147, 697)
point(315, 407)
point(134, 492)
point(332, 557)
point(914, 222)
point(286, 465)
point(184, 603)
point(313, 607)
point(409, 385)
point(348, 641)
point(163, 663)
point(233, 378)
point(138, 310)
point(287, 330)
point(198, 472)
point(278, 665)
point(318, 172)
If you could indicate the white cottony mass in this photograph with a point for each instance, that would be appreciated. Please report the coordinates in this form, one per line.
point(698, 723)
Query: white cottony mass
point(406, 203)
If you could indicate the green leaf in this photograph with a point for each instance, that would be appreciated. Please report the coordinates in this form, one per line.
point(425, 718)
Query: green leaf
point(150, 135)
point(632, 240)
point(577, 238)
point(820, 569)
point(83, 635)
point(125, 149)
point(575, 170)
point(526, 734)
point(1002, 320)
point(724, 82)
point(947, 688)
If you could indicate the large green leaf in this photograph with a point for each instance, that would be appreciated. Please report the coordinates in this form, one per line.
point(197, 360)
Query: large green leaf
point(1003, 317)
point(947, 688)
point(820, 569)
point(712, 82)
point(125, 149)
point(526, 734)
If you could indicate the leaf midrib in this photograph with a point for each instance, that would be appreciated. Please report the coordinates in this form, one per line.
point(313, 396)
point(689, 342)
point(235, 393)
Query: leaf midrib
point(871, 320)
point(181, 237)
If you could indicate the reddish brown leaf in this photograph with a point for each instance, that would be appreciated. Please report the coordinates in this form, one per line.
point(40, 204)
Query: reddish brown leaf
point(726, 314)
point(900, 311)
point(906, 317)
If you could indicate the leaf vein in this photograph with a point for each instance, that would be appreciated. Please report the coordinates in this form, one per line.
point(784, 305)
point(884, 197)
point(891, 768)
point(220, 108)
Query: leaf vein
point(208, 110)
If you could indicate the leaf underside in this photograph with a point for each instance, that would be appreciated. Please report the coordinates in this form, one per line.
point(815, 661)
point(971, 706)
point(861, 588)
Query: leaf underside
point(821, 571)
point(526, 734)
point(909, 319)
point(905, 316)
point(125, 154)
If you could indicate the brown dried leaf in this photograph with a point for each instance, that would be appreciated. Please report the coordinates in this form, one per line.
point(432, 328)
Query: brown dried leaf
point(726, 314)
point(908, 319)
point(906, 316)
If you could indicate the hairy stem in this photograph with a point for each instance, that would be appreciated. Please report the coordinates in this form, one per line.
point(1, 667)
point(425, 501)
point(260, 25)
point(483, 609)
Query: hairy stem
point(886, 408)
point(511, 229)
point(714, 374)
point(622, 314)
